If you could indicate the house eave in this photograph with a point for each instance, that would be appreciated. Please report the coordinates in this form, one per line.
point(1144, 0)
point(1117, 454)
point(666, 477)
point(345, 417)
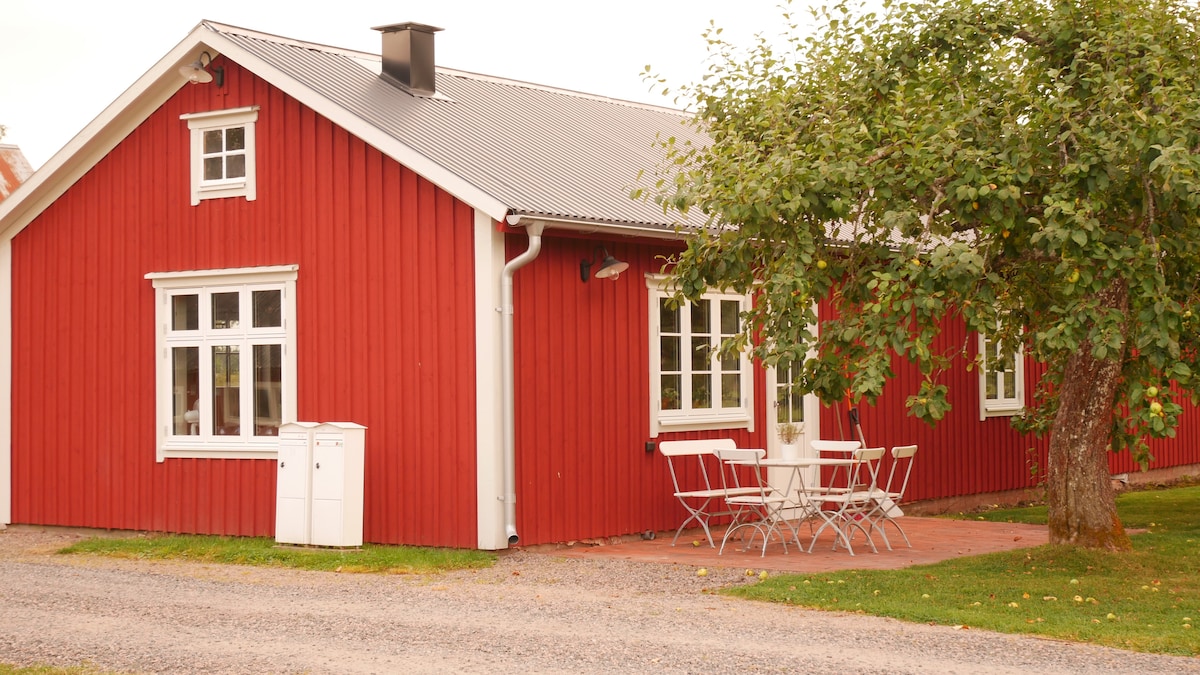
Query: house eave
point(586, 226)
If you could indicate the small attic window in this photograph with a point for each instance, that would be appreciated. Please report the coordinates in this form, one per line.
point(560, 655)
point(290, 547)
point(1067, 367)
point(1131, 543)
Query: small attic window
point(222, 153)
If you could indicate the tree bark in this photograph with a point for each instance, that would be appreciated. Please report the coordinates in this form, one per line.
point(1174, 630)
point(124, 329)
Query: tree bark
point(1081, 501)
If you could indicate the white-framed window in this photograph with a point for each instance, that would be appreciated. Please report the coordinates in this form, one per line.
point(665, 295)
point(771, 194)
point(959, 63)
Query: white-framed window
point(222, 153)
point(1001, 379)
point(226, 360)
point(692, 386)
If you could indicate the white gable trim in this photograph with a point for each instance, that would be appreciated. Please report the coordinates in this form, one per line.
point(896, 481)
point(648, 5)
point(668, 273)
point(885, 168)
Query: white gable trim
point(137, 103)
point(97, 139)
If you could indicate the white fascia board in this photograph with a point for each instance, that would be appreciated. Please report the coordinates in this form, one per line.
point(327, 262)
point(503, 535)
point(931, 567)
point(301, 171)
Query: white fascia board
point(99, 137)
point(161, 82)
point(594, 227)
point(370, 134)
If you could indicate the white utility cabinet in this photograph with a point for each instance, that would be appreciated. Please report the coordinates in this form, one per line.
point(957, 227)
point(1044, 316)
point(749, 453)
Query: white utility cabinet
point(292, 502)
point(320, 490)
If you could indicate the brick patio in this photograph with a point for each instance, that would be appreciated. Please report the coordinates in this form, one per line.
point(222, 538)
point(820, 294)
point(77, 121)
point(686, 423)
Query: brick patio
point(933, 540)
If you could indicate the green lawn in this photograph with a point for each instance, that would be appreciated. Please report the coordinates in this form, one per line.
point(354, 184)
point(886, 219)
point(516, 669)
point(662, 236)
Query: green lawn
point(1146, 600)
point(264, 552)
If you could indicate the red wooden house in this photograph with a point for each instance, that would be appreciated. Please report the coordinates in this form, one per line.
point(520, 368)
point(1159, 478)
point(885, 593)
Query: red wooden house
point(262, 230)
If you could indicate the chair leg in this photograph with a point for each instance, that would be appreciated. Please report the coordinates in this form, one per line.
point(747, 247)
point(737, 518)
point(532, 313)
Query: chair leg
point(889, 519)
point(837, 532)
point(697, 514)
point(853, 522)
point(875, 519)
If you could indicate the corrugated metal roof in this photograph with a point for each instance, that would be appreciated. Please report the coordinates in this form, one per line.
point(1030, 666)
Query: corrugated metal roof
point(540, 151)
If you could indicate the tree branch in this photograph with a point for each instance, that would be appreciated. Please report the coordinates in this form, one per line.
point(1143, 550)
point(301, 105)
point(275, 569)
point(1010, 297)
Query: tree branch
point(880, 154)
point(1029, 38)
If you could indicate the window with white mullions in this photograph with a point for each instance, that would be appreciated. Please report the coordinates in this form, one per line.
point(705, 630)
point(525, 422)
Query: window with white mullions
point(227, 381)
point(694, 386)
point(1001, 379)
point(222, 153)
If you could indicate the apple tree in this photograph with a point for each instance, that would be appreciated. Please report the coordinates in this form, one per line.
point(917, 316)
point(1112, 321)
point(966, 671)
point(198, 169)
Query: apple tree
point(1030, 168)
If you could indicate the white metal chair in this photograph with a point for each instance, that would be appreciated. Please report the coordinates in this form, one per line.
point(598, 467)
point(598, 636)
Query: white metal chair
point(888, 499)
point(845, 509)
point(840, 447)
point(688, 462)
point(758, 512)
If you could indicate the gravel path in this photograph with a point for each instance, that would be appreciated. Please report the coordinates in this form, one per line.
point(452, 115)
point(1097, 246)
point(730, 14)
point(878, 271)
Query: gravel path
point(532, 612)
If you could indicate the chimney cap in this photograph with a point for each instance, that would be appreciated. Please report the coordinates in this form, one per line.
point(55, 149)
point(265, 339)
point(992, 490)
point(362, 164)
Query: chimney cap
point(407, 25)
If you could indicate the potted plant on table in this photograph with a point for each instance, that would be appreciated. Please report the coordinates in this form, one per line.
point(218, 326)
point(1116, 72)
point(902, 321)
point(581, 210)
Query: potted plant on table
point(789, 439)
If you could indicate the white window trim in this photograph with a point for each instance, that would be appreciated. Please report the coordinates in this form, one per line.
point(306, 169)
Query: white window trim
point(259, 447)
point(1001, 407)
point(198, 123)
point(671, 421)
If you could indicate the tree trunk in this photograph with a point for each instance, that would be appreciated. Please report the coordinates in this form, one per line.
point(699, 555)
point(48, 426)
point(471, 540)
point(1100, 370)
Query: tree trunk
point(1082, 503)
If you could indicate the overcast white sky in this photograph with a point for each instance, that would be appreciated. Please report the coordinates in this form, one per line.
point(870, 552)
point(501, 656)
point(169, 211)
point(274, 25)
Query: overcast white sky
point(63, 61)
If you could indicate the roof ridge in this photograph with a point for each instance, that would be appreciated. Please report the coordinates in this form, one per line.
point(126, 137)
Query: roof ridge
point(561, 90)
point(219, 27)
point(494, 79)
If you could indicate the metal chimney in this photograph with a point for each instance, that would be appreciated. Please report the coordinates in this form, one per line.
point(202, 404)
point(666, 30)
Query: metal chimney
point(408, 55)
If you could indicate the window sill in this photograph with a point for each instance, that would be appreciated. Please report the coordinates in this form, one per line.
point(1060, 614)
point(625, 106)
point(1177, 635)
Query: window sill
point(1006, 411)
point(245, 450)
point(223, 190)
point(706, 423)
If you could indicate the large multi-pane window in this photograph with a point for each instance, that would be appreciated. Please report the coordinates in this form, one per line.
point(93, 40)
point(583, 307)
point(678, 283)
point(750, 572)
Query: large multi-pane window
point(227, 358)
point(1001, 378)
point(222, 149)
point(693, 384)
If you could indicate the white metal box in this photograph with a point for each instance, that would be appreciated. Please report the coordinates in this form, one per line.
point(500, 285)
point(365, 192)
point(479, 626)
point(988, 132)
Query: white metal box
point(319, 494)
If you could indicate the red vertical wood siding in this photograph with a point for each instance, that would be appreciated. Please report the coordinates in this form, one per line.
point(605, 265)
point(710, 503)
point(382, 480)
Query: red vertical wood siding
point(582, 384)
point(385, 327)
point(582, 388)
point(963, 455)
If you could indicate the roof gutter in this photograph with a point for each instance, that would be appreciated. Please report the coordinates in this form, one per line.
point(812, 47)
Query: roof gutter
point(508, 375)
point(594, 227)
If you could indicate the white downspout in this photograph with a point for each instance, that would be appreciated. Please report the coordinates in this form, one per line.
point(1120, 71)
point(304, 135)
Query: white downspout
point(508, 377)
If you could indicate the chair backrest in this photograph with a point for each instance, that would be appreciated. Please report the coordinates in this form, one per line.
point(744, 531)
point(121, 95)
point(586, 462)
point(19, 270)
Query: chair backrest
point(902, 461)
point(732, 459)
point(695, 447)
point(698, 450)
point(844, 447)
point(864, 473)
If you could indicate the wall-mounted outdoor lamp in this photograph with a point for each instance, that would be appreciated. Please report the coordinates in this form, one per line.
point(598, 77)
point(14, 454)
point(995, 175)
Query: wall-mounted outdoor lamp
point(197, 74)
point(610, 267)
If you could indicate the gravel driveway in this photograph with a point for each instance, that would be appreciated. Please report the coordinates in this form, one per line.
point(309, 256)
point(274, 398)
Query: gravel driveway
point(532, 612)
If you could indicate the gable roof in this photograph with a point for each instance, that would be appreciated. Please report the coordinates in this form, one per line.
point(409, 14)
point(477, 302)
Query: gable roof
point(505, 147)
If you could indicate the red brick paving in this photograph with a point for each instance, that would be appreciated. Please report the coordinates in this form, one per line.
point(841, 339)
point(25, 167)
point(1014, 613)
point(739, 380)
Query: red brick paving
point(933, 540)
